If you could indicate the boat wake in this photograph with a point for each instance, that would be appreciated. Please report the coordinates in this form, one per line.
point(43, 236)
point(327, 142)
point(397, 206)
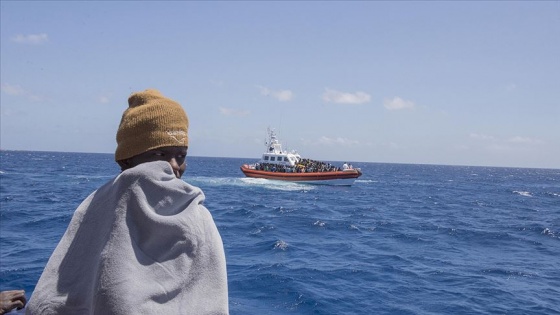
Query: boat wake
point(275, 184)
point(365, 181)
point(248, 182)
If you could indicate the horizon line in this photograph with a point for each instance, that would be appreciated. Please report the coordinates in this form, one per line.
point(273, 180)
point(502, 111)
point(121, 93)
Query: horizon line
point(234, 157)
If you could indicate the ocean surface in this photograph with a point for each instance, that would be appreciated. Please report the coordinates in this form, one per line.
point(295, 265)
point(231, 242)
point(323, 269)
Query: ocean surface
point(404, 239)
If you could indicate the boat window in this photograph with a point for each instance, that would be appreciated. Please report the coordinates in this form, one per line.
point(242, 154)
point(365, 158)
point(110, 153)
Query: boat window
point(286, 159)
point(266, 157)
point(272, 158)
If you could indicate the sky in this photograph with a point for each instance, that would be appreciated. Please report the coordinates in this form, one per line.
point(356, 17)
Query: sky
point(423, 82)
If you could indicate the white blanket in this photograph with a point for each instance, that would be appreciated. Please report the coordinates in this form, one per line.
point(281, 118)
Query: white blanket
point(141, 244)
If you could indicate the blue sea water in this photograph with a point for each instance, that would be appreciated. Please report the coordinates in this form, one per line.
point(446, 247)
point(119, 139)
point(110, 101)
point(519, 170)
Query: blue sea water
point(404, 239)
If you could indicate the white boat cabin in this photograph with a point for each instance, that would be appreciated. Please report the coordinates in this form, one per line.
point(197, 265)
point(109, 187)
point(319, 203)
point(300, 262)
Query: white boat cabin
point(276, 155)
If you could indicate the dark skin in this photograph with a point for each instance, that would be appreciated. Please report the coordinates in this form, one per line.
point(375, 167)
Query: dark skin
point(176, 156)
point(10, 300)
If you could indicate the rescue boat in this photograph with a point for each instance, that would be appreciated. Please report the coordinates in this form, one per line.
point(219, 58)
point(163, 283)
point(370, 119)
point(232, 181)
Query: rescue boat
point(279, 164)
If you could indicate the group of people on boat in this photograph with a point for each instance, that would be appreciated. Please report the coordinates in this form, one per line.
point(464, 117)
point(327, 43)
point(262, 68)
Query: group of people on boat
point(303, 166)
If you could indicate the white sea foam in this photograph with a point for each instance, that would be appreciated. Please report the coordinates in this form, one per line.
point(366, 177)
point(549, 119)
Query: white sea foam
point(365, 181)
point(523, 193)
point(280, 244)
point(247, 181)
point(275, 184)
point(547, 231)
point(256, 231)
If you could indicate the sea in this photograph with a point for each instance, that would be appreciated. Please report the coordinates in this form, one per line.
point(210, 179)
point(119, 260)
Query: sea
point(404, 239)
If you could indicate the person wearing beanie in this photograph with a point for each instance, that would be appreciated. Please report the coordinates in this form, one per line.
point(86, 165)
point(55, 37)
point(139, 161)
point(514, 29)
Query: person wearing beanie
point(143, 243)
point(150, 123)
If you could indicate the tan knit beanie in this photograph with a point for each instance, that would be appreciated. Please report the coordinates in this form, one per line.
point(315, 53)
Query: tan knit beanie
point(151, 121)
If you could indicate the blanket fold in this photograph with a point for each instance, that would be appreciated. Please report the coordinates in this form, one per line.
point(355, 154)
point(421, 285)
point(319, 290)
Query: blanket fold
point(143, 243)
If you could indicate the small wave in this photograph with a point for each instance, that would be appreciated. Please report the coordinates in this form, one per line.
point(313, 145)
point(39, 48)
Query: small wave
point(548, 232)
point(90, 177)
point(523, 193)
point(2, 172)
point(256, 231)
point(51, 219)
point(260, 229)
point(319, 223)
point(509, 273)
point(283, 210)
point(280, 244)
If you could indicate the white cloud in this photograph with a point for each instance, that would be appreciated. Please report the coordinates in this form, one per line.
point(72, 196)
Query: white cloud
point(501, 142)
point(511, 87)
point(12, 89)
point(233, 112)
point(218, 83)
point(482, 137)
point(397, 103)
point(32, 39)
point(345, 98)
point(499, 147)
point(393, 145)
point(16, 90)
point(281, 95)
point(524, 140)
point(339, 141)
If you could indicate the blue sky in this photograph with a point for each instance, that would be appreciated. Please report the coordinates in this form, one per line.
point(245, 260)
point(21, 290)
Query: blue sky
point(459, 83)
